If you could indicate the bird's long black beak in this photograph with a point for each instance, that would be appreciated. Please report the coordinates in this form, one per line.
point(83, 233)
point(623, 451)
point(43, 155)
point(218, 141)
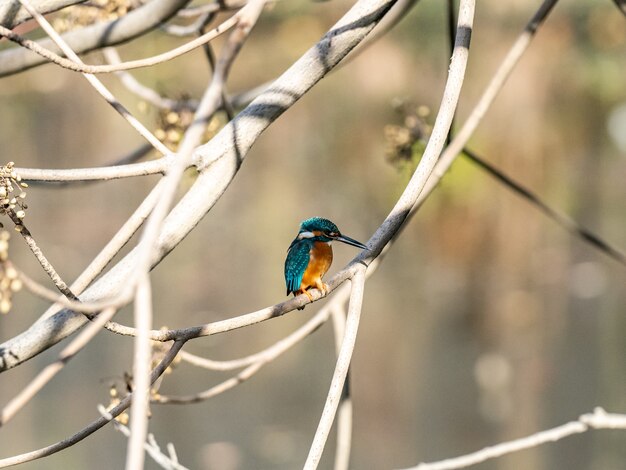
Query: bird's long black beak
point(350, 241)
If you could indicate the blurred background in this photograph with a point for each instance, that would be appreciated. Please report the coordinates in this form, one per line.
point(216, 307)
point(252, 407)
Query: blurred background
point(485, 322)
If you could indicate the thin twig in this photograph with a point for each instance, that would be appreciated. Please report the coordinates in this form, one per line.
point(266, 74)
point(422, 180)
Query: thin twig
point(118, 30)
point(341, 370)
point(188, 29)
point(560, 218)
point(491, 91)
point(255, 362)
point(142, 355)
point(344, 411)
point(190, 12)
point(43, 261)
point(48, 372)
point(83, 307)
point(95, 425)
point(167, 462)
point(95, 83)
point(78, 66)
point(105, 173)
point(142, 91)
point(275, 349)
point(219, 161)
point(599, 419)
point(213, 391)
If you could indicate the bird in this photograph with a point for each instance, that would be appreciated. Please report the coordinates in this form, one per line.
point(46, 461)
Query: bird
point(310, 255)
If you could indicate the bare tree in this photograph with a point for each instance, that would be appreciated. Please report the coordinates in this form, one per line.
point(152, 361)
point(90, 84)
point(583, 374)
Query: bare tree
point(86, 307)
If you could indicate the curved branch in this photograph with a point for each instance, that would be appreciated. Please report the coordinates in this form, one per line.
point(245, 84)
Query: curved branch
point(341, 370)
point(599, 419)
point(255, 362)
point(396, 14)
point(49, 372)
point(219, 161)
point(77, 66)
point(344, 410)
point(105, 173)
point(12, 13)
point(394, 221)
point(94, 425)
point(94, 82)
point(136, 23)
point(142, 91)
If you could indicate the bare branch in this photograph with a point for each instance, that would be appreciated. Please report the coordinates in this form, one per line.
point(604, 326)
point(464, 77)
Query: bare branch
point(254, 362)
point(599, 419)
point(110, 33)
point(213, 391)
point(12, 13)
point(99, 87)
point(43, 261)
point(414, 191)
point(142, 356)
point(167, 462)
point(193, 136)
point(190, 12)
point(487, 98)
point(76, 66)
point(560, 218)
point(341, 370)
point(76, 305)
point(106, 173)
point(95, 425)
point(219, 162)
point(142, 91)
point(344, 411)
point(190, 29)
point(51, 370)
point(274, 350)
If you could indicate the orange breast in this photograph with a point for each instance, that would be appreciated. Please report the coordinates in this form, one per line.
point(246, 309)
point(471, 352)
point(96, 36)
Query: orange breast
point(320, 260)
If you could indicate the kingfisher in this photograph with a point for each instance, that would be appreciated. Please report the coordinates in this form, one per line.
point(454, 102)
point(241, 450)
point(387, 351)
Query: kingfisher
point(310, 255)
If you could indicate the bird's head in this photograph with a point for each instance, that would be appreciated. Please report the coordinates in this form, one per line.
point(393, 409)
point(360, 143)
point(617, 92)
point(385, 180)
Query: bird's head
point(324, 230)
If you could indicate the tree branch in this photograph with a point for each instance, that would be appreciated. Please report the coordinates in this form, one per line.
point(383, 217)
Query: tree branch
point(106, 173)
point(219, 161)
point(165, 461)
point(136, 23)
point(51, 370)
point(95, 83)
point(560, 218)
point(12, 13)
point(78, 66)
point(95, 425)
point(599, 419)
point(142, 356)
point(341, 370)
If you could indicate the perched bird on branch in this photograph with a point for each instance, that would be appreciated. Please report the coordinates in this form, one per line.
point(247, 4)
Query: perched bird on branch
point(310, 255)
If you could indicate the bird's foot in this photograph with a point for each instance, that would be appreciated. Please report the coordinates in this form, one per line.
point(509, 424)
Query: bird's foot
point(322, 287)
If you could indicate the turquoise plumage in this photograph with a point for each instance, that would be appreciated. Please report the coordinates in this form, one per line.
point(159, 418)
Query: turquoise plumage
point(296, 263)
point(310, 255)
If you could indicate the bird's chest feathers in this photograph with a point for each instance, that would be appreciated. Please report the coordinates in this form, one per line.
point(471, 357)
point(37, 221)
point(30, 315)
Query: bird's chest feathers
point(320, 259)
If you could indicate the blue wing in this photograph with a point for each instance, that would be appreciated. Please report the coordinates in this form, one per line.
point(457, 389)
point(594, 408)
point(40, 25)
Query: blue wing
point(296, 263)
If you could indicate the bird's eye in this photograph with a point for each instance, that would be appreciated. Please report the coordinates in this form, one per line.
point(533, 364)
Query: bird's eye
point(333, 234)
